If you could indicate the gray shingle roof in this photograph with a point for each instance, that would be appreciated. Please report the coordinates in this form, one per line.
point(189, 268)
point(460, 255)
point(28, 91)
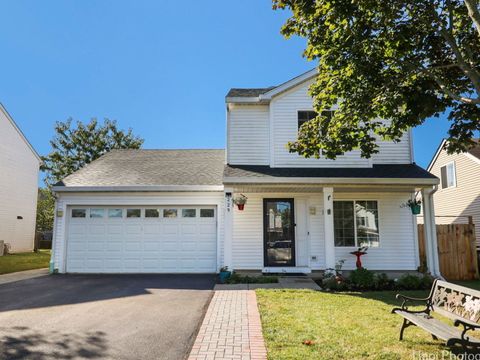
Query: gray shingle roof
point(151, 167)
point(252, 92)
point(475, 151)
point(405, 171)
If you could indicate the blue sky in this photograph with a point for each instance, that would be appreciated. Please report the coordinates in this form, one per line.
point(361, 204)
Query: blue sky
point(160, 67)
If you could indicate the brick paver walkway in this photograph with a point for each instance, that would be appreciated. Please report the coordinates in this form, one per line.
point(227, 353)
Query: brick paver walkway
point(231, 328)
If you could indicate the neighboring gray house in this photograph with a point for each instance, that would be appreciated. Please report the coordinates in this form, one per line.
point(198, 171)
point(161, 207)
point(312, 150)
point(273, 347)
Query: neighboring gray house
point(173, 211)
point(19, 165)
point(458, 194)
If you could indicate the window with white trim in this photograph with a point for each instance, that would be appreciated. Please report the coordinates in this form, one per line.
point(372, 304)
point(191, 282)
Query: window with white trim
point(356, 223)
point(448, 175)
point(307, 115)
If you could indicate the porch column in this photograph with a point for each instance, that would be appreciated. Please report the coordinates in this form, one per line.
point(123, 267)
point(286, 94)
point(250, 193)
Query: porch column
point(430, 232)
point(328, 226)
point(228, 230)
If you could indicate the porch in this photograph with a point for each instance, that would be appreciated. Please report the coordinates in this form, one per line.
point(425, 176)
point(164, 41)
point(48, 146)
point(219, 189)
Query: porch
point(304, 228)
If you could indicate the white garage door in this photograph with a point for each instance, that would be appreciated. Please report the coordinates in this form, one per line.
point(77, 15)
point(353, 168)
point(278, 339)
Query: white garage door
point(136, 239)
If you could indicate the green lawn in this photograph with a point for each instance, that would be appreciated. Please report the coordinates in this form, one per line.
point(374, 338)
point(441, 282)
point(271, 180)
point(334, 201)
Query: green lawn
point(24, 261)
point(342, 326)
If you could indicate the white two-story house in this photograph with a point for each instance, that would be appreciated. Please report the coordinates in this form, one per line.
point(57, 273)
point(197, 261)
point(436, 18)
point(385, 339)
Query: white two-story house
point(174, 211)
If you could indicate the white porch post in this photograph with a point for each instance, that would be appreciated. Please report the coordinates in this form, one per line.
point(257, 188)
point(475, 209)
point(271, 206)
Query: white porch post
point(228, 231)
point(430, 232)
point(328, 225)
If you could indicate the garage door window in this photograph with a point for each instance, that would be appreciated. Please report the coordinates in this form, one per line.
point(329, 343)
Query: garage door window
point(79, 213)
point(96, 213)
point(115, 213)
point(152, 213)
point(207, 213)
point(134, 213)
point(189, 213)
point(169, 213)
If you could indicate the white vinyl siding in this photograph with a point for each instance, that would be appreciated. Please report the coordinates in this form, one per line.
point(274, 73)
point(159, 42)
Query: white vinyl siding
point(397, 248)
point(247, 138)
point(396, 251)
point(135, 201)
point(464, 198)
point(18, 188)
point(394, 153)
point(284, 114)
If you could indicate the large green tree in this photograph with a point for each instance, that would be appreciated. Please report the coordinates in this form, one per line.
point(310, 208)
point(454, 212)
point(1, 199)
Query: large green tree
point(402, 60)
point(77, 144)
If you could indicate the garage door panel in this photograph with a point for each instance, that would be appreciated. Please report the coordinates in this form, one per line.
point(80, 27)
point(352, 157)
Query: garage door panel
point(139, 245)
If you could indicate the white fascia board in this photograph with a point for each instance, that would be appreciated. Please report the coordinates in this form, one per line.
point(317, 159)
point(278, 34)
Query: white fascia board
point(439, 149)
point(178, 188)
point(472, 157)
point(288, 85)
point(242, 99)
point(22, 135)
point(301, 180)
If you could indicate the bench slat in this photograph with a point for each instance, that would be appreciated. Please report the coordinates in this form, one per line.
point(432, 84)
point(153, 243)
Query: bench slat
point(434, 326)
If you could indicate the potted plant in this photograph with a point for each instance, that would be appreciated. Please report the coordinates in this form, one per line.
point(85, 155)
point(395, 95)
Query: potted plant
point(414, 205)
point(224, 274)
point(240, 201)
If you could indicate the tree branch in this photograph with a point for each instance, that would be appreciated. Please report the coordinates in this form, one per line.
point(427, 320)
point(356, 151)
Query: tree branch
point(473, 13)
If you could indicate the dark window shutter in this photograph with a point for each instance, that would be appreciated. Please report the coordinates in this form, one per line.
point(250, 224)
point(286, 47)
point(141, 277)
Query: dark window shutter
point(443, 172)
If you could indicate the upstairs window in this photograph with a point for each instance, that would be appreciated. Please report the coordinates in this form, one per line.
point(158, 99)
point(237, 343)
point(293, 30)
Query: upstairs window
point(307, 115)
point(448, 175)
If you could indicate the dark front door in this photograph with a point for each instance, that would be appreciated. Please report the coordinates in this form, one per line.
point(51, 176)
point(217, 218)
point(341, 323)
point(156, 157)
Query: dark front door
point(279, 232)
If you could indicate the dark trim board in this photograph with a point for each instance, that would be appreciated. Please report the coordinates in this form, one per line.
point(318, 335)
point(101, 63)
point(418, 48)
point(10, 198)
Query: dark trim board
point(292, 208)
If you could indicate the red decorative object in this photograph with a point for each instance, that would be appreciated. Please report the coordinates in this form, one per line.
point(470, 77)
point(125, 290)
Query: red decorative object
point(358, 253)
point(240, 206)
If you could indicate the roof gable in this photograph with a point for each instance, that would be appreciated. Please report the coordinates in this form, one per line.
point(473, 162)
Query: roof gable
point(264, 95)
point(15, 126)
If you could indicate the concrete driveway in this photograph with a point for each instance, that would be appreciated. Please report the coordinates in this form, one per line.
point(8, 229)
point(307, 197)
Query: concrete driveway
point(102, 316)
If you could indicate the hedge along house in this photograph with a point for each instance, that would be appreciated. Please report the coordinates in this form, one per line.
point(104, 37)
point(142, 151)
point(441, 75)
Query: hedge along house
point(173, 211)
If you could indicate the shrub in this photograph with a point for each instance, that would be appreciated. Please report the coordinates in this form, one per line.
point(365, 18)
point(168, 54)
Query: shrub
point(335, 283)
point(413, 282)
point(383, 282)
point(362, 279)
point(236, 278)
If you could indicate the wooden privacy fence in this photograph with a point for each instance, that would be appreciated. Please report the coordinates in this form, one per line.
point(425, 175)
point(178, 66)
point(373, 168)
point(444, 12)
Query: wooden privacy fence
point(457, 252)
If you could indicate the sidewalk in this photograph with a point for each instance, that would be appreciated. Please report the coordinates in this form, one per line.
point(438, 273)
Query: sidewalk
point(22, 275)
point(231, 328)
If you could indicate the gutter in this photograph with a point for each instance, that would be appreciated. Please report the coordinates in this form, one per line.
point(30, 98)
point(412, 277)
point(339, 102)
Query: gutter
point(135, 188)
point(313, 180)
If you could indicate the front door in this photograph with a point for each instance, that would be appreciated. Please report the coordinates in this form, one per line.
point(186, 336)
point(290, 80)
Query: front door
point(279, 232)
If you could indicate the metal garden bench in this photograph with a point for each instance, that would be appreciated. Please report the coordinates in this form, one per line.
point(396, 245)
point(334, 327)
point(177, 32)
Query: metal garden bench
point(458, 303)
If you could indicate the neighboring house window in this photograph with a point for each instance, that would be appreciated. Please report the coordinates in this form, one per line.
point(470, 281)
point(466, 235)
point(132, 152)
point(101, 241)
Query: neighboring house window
point(304, 116)
point(448, 175)
point(356, 223)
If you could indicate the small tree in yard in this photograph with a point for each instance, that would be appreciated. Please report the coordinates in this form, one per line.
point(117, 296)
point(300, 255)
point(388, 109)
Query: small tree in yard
point(75, 146)
point(400, 60)
point(45, 210)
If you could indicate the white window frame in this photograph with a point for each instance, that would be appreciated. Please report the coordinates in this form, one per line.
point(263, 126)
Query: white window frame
point(355, 224)
point(451, 163)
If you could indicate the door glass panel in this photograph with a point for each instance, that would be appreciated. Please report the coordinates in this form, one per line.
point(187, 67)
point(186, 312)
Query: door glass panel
point(279, 233)
point(115, 213)
point(152, 213)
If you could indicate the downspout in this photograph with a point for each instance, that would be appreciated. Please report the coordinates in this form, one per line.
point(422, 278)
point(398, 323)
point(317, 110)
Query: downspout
point(434, 231)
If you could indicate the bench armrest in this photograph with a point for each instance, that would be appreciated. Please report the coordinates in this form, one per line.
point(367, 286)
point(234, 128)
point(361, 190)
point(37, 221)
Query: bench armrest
point(407, 299)
point(467, 326)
